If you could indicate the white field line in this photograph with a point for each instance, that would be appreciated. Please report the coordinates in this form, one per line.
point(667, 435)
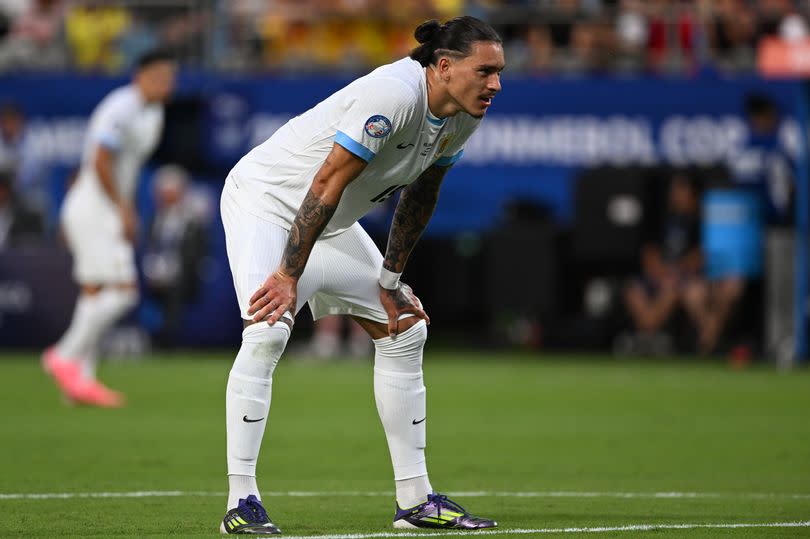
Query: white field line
point(529, 531)
point(460, 494)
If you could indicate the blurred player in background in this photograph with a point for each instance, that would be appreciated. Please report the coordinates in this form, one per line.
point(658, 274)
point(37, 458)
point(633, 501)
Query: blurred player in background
point(290, 209)
point(99, 223)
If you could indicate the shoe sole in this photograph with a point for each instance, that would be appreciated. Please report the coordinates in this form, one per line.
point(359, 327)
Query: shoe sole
point(405, 525)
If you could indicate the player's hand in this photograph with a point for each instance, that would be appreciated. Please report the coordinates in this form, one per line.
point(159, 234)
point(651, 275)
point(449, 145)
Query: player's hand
point(276, 296)
point(401, 301)
point(130, 220)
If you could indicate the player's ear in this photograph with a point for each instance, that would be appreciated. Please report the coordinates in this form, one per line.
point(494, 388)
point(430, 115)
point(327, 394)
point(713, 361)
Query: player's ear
point(443, 65)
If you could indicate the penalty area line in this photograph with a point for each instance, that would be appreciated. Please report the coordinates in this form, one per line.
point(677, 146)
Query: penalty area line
point(531, 531)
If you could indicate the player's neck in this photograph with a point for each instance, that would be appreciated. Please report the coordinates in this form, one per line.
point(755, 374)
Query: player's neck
point(440, 103)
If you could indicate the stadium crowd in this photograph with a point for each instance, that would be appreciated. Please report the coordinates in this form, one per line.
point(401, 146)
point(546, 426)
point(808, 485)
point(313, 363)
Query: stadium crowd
point(542, 36)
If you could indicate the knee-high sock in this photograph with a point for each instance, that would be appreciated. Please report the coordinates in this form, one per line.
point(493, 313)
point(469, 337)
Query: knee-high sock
point(401, 402)
point(247, 402)
point(93, 315)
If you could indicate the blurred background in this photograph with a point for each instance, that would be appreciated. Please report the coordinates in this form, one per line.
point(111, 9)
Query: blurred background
point(638, 187)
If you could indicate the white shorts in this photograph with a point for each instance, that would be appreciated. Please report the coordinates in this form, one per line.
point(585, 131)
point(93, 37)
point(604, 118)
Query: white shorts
point(340, 276)
point(95, 235)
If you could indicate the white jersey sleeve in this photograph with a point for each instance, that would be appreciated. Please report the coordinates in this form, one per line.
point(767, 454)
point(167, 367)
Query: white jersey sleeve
point(110, 131)
point(376, 109)
point(454, 148)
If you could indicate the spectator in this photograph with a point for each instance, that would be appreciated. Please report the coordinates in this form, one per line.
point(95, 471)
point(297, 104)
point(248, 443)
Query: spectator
point(18, 225)
point(175, 248)
point(670, 264)
point(12, 123)
point(766, 168)
point(35, 37)
point(18, 161)
point(92, 33)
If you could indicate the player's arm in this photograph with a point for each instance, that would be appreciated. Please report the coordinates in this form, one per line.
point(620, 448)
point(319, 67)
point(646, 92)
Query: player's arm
point(104, 166)
point(415, 208)
point(416, 205)
point(104, 162)
point(278, 293)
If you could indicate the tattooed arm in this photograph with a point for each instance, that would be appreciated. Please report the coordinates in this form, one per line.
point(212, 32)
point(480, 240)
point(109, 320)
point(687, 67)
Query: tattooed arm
point(415, 208)
point(278, 293)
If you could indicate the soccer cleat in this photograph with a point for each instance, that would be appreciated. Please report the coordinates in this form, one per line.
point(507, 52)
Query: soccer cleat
point(77, 390)
point(94, 393)
point(439, 512)
point(66, 373)
point(249, 517)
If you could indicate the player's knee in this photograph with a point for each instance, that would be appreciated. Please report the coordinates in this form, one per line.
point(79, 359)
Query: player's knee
point(262, 346)
point(266, 341)
point(403, 353)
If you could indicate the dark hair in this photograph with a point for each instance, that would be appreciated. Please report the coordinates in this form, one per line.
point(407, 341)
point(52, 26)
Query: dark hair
point(153, 57)
point(759, 105)
point(456, 35)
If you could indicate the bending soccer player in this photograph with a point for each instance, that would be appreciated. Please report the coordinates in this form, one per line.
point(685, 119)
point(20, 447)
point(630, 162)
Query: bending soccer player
point(290, 209)
point(99, 223)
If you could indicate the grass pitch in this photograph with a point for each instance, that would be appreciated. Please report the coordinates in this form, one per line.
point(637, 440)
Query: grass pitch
point(539, 444)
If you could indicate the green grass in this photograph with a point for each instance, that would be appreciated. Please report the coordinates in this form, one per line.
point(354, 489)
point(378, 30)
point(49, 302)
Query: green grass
point(496, 423)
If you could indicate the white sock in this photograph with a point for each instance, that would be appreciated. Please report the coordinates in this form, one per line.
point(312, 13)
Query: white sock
point(411, 492)
point(401, 402)
point(247, 403)
point(71, 345)
point(240, 487)
point(89, 365)
point(94, 314)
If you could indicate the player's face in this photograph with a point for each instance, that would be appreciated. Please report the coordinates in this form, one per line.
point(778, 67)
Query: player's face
point(475, 79)
point(157, 80)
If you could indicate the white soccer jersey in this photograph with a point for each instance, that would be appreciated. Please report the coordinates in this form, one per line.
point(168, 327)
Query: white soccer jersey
point(129, 126)
point(382, 117)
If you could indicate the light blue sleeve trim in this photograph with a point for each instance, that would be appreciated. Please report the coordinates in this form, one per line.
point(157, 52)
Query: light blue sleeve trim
point(110, 142)
point(353, 146)
point(448, 160)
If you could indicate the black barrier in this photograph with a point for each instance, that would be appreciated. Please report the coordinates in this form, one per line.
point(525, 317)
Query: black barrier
point(36, 296)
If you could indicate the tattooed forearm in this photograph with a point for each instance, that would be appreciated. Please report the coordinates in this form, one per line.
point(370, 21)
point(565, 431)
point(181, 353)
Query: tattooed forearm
point(312, 217)
point(416, 205)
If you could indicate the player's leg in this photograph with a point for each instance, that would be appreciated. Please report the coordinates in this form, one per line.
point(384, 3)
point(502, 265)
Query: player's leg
point(725, 294)
point(254, 249)
point(105, 269)
point(351, 264)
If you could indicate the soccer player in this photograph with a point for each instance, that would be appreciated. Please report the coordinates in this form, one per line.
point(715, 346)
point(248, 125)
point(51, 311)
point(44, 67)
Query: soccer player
point(99, 223)
point(290, 209)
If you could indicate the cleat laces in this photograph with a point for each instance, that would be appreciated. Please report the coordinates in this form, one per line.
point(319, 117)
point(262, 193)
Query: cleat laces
point(440, 500)
point(251, 510)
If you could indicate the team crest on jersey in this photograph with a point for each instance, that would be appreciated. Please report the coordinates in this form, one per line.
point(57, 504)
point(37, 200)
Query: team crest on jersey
point(443, 144)
point(378, 126)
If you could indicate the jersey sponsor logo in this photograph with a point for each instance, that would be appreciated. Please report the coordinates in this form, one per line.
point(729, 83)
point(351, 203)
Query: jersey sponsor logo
point(403, 146)
point(378, 126)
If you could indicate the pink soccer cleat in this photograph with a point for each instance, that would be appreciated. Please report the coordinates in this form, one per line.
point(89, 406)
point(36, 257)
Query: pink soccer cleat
point(94, 393)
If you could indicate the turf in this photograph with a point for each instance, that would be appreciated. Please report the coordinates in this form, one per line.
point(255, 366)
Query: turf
point(498, 423)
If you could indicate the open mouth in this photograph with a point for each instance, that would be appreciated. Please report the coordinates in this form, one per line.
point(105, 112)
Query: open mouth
point(485, 101)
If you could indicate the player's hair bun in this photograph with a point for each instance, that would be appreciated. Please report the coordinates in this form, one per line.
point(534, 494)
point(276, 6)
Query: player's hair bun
point(427, 31)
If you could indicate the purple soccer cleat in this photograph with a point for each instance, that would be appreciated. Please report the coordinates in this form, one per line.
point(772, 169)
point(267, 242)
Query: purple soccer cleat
point(439, 512)
point(249, 517)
